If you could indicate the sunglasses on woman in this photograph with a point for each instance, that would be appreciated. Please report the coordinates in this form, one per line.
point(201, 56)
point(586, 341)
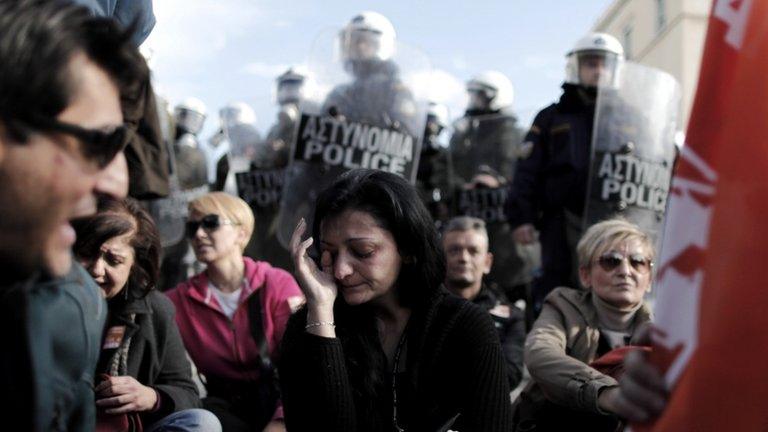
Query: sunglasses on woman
point(611, 260)
point(209, 222)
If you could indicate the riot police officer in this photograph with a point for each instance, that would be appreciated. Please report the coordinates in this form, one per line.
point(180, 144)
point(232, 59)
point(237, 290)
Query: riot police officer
point(487, 134)
point(376, 94)
point(433, 175)
point(549, 188)
point(373, 98)
point(289, 93)
point(189, 116)
point(189, 167)
point(241, 141)
point(484, 149)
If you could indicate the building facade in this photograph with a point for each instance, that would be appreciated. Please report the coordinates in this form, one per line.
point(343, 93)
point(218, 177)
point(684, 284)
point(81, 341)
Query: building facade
point(665, 34)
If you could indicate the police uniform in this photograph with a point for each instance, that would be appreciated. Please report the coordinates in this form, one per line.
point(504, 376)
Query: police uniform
point(491, 139)
point(484, 138)
point(549, 187)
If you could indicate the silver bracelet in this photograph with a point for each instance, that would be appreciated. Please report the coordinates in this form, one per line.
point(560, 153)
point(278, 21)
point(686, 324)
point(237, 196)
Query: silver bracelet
point(319, 323)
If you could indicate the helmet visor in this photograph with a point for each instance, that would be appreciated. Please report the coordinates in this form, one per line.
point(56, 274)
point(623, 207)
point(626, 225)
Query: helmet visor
point(596, 68)
point(361, 44)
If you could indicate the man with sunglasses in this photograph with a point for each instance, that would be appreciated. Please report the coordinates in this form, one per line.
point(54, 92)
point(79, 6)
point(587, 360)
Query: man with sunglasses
point(61, 139)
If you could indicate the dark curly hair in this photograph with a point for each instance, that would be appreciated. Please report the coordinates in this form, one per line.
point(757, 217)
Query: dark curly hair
point(115, 218)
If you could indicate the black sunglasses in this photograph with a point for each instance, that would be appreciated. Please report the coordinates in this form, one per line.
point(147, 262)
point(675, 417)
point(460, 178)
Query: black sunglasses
point(99, 146)
point(611, 260)
point(209, 222)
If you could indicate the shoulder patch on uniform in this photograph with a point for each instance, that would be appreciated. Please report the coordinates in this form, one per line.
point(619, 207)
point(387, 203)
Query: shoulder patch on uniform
point(564, 127)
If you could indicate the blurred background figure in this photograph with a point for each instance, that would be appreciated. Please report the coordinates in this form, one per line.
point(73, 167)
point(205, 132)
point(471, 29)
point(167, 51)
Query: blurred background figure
point(371, 88)
point(290, 93)
point(234, 147)
point(549, 189)
point(433, 175)
point(484, 149)
point(488, 133)
point(377, 94)
point(189, 116)
point(268, 167)
point(189, 179)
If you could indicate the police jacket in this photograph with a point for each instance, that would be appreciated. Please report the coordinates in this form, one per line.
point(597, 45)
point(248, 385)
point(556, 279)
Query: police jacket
point(552, 175)
point(489, 138)
point(376, 96)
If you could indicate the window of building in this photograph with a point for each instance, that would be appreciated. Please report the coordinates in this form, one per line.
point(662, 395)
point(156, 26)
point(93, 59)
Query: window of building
point(661, 15)
point(627, 41)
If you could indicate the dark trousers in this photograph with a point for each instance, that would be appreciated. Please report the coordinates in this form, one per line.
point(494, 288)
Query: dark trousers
point(241, 406)
point(559, 235)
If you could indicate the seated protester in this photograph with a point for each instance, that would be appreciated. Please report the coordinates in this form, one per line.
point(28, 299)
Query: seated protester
point(233, 315)
point(577, 326)
point(143, 363)
point(465, 242)
point(381, 345)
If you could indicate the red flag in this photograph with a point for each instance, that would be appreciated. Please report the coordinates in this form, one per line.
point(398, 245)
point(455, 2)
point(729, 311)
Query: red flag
point(713, 291)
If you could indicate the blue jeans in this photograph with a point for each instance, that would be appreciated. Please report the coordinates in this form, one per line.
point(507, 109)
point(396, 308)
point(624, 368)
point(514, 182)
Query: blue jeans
point(189, 420)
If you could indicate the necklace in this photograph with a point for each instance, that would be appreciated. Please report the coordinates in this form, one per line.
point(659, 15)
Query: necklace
point(396, 362)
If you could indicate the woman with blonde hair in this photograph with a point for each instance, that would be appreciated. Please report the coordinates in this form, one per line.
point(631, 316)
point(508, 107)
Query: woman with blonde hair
point(569, 389)
point(233, 315)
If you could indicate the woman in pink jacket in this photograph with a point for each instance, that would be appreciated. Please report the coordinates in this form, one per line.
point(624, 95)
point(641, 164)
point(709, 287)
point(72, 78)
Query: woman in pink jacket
point(233, 315)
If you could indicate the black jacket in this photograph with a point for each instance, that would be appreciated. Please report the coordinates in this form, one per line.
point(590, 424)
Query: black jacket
point(454, 366)
point(510, 325)
point(156, 357)
point(553, 176)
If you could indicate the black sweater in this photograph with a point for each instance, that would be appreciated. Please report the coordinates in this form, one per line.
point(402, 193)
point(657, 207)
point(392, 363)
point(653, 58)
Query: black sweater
point(454, 366)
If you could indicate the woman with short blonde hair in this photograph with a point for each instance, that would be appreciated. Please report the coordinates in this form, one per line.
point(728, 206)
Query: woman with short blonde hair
point(578, 326)
point(230, 207)
point(606, 233)
point(232, 316)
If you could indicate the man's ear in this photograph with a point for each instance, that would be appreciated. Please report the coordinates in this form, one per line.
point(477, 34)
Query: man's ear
point(488, 263)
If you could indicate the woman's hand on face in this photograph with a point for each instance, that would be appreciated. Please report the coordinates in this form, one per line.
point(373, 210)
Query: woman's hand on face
point(318, 285)
point(123, 394)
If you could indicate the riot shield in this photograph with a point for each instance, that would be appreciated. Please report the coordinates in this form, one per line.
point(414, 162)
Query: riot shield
point(216, 148)
point(246, 146)
point(279, 139)
point(633, 148)
point(372, 116)
point(490, 140)
point(262, 189)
